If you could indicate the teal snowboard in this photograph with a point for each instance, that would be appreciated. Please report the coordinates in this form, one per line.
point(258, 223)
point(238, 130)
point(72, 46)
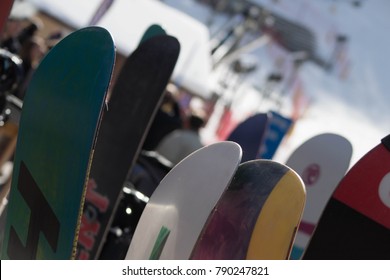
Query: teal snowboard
point(61, 112)
point(152, 31)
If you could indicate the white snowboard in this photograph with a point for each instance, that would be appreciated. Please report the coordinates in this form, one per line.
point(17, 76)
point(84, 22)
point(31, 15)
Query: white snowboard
point(322, 162)
point(178, 209)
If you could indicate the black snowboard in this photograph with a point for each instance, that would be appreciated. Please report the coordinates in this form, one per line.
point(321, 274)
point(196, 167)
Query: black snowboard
point(136, 96)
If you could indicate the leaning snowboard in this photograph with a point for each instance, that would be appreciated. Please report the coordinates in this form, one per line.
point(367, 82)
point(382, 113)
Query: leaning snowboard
point(322, 162)
point(356, 221)
point(59, 121)
point(152, 31)
point(177, 210)
point(135, 98)
point(257, 217)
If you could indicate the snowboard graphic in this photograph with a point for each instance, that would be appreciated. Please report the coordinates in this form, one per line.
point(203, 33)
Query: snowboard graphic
point(322, 162)
point(278, 127)
point(135, 98)
point(177, 210)
point(355, 224)
point(59, 121)
point(257, 216)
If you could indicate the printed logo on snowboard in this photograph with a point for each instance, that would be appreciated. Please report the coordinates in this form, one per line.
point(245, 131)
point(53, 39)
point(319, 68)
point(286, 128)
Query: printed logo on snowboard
point(276, 130)
point(95, 205)
point(42, 220)
point(384, 190)
point(311, 174)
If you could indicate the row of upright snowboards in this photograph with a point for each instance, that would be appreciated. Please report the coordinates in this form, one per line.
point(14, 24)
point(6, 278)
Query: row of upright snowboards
point(262, 214)
point(76, 146)
point(67, 180)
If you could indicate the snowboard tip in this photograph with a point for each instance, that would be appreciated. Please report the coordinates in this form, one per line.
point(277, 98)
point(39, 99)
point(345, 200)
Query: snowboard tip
point(386, 142)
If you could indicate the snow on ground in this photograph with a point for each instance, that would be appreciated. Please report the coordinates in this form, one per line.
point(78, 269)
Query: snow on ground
point(353, 105)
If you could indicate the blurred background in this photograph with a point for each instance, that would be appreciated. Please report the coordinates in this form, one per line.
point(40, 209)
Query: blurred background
point(324, 64)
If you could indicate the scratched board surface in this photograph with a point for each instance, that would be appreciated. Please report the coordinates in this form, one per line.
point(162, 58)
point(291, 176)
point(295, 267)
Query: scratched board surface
point(57, 129)
point(256, 217)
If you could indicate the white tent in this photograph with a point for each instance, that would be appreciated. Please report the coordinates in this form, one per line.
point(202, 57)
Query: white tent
point(127, 21)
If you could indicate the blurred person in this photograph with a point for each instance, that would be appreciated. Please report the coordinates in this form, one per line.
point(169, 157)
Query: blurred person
point(9, 37)
point(182, 142)
point(168, 118)
point(31, 53)
point(17, 32)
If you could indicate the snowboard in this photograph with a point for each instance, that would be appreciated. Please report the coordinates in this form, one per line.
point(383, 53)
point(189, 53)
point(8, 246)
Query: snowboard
point(321, 162)
point(277, 129)
point(152, 31)
point(355, 224)
point(249, 135)
point(257, 216)
point(5, 9)
point(59, 121)
point(177, 210)
point(135, 98)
